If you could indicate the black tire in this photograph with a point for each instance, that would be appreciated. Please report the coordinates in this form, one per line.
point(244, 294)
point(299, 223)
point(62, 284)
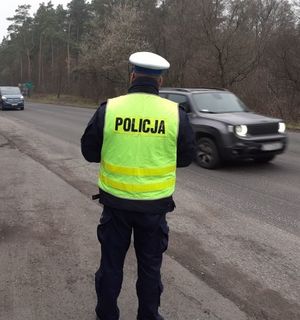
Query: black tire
point(264, 159)
point(207, 154)
point(22, 108)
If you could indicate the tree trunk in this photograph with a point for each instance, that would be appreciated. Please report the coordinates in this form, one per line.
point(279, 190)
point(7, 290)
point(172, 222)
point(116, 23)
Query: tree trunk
point(21, 69)
point(52, 65)
point(59, 83)
point(68, 55)
point(40, 63)
point(28, 65)
point(221, 68)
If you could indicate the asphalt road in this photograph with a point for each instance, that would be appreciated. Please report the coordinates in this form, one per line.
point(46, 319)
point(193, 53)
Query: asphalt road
point(235, 229)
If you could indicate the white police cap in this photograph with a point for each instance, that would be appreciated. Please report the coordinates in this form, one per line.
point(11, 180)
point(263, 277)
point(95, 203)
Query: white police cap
point(148, 62)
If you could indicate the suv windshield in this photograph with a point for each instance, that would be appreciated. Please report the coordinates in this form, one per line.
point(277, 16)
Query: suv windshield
point(218, 102)
point(10, 90)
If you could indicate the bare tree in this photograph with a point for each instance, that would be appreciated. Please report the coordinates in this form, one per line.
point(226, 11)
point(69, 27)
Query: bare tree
point(106, 52)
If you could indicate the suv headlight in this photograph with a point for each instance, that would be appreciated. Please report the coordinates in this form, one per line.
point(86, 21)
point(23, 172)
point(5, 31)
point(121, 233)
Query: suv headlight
point(22, 98)
point(241, 130)
point(4, 98)
point(281, 127)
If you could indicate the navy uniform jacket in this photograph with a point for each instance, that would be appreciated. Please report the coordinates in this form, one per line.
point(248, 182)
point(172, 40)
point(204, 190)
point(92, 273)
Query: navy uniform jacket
point(92, 139)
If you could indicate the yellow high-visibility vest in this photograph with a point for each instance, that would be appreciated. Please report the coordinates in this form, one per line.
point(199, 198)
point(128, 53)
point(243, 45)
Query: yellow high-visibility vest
point(138, 157)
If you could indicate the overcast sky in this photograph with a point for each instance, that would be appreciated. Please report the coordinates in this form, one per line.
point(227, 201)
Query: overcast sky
point(9, 6)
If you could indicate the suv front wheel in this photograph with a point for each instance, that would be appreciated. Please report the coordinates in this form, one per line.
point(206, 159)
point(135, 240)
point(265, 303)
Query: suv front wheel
point(207, 154)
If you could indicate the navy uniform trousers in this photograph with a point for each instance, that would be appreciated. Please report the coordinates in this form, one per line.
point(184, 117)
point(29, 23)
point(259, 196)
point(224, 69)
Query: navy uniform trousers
point(150, 233)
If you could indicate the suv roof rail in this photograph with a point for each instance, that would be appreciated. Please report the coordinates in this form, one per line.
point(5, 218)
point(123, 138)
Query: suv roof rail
point(212, 88)
point(175, 89)
point(193, 89)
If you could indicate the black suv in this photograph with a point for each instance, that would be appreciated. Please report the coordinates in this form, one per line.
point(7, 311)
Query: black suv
point(225, 129)
point(11, 98)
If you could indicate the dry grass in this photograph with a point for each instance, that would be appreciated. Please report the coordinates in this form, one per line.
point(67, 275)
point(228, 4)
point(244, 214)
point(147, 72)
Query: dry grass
point(293, 126)
point(66, 100)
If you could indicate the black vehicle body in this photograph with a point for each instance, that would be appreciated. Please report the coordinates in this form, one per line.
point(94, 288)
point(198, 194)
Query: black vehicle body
point(11, 98)
point(216, 131)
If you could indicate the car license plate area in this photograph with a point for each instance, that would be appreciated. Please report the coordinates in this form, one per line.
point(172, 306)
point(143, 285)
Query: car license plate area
point(271, 146)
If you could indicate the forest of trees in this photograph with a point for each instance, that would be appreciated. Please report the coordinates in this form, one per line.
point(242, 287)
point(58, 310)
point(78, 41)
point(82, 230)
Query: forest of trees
point(251, 47)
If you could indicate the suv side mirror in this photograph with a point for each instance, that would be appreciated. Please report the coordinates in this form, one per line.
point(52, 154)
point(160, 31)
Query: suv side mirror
point(185, 105)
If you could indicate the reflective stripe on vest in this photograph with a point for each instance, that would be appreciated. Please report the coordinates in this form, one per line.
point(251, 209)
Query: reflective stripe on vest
point(138, 157)
point(137, 171)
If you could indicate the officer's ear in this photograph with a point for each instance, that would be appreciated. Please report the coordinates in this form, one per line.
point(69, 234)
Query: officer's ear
point(160, 81)
point(132, 77)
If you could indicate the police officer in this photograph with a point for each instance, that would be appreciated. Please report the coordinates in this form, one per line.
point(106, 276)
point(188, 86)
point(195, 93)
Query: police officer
point(139, 139)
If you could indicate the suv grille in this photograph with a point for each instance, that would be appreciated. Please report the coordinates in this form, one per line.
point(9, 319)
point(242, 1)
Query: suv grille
point(263, 128)
point(13, 100)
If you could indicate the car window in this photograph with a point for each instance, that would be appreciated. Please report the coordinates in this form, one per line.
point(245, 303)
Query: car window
point(163, 95)
point(10, 90)
point(218, 102)
point(181, 99)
